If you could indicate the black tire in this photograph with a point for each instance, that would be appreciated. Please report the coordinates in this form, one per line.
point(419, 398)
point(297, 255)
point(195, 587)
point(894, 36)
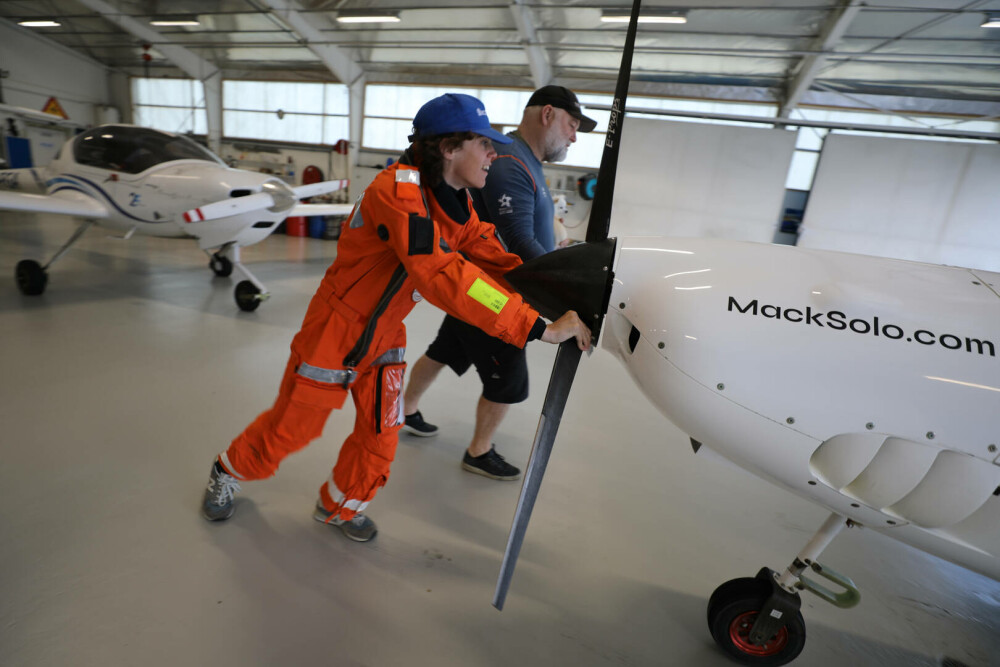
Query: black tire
point(31, 277)
point(246, 296)
point(732, 587)
point(732, 611)
point(221, 266)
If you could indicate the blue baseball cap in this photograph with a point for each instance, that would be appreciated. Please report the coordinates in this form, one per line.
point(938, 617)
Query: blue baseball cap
point(454, 112)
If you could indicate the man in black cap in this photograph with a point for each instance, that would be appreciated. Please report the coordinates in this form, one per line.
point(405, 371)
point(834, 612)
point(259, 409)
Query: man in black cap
point(517, 201)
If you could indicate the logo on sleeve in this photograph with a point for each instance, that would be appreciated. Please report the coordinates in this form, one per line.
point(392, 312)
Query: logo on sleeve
point(505, 204)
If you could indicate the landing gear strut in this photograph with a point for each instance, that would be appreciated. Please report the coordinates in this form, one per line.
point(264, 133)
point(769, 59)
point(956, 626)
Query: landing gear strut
point(250, 292)
point(32, 277)
point(756, 621)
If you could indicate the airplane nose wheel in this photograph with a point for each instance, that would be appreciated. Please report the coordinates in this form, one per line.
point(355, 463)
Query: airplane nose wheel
point(221, 265)
point(31, 277)
point(248, 296)
point(757, 621)
point(732, 611)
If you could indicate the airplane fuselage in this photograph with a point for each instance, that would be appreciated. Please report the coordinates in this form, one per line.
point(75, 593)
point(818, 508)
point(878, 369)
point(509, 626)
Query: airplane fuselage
point(869, 386)
point(155, 200)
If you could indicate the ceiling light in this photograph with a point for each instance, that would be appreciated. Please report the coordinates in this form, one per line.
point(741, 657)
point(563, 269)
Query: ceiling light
point(367, 17)
point(992, 21)
point(649, 16)
point(174, 22)
point(39, 24)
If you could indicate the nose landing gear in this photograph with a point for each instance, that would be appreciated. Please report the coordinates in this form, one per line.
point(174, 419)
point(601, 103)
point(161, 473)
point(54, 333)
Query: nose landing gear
point(250, 292)
point(756, 621)
point(734, 609)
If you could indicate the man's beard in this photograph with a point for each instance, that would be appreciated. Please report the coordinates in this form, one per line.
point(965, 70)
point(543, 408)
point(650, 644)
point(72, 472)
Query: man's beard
point(555, 149)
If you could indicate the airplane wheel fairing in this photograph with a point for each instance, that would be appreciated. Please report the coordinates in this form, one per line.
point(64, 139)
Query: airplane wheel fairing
point(221, 265)
point(247, 296)
point(732, 611)
point(31, 277)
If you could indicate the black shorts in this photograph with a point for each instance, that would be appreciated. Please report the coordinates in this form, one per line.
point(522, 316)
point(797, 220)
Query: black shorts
point(502, 367)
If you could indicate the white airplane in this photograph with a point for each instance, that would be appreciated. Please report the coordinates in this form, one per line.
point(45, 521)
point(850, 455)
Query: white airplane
point(869, 386)
point(134, 179)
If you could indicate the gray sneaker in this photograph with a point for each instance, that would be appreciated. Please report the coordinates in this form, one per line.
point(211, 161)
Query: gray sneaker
point(360, 528)
point(218, 502)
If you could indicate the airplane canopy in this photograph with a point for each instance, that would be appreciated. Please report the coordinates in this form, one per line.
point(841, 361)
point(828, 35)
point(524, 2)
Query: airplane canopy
point(135, 149)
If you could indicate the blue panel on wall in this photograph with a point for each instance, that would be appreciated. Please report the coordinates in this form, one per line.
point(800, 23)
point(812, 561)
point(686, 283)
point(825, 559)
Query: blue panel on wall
point(18, 152)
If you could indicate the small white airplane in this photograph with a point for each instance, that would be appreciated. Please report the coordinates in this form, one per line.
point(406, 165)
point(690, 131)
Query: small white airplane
point(134, 179)
point(869, 386)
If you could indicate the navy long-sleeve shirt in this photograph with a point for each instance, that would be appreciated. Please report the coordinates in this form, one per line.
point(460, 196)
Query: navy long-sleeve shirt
point(517, 200)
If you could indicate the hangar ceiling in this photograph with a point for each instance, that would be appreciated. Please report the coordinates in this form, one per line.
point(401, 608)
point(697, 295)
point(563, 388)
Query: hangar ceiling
point(912, 55)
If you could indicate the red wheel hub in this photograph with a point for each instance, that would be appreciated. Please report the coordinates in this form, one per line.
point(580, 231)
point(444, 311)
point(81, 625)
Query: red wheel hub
point(739, 634)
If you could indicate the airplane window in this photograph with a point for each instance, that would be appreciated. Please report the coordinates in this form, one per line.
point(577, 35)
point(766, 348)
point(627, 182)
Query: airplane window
point(135, 149)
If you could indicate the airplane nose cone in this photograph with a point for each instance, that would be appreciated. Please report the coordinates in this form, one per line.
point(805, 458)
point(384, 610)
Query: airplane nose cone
point(574, 278)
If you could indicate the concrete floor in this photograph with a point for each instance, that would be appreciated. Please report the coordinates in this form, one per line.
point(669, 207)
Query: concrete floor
point(135, 368)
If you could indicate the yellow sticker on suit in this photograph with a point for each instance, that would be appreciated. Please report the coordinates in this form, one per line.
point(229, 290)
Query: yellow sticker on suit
point(487, 295)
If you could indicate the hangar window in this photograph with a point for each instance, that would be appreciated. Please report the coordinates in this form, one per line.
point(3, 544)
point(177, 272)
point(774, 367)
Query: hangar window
point(173, 105)
point(389, 110)
point(308, 113)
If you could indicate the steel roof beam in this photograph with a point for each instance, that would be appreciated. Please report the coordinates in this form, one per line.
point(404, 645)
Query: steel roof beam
point(538, 59)
point(310, 30)
point(831, 34)
point(192, 65)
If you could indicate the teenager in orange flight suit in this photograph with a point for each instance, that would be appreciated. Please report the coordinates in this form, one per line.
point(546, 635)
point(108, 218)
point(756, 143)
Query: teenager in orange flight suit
point(412, 235)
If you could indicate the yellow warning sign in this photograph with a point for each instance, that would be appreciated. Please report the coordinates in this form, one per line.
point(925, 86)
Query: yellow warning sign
point(53, 107)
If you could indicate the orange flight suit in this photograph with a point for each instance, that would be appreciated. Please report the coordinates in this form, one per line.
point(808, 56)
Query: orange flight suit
point(399, 240)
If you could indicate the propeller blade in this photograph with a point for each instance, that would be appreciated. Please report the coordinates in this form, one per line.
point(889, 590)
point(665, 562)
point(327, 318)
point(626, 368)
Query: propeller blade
point(561, 381)
point(227, 207)
point(600, 211)
point(322, 188)
point(565, 287)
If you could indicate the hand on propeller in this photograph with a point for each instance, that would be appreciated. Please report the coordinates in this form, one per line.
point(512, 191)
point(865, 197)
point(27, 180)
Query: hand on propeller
point(568, 326)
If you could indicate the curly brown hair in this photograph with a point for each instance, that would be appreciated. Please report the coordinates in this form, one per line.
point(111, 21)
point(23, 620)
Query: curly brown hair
point(428, 154)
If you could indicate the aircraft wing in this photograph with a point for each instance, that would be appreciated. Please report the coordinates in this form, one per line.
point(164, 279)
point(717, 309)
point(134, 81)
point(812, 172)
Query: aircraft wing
point(321, 209)
point(66, 202)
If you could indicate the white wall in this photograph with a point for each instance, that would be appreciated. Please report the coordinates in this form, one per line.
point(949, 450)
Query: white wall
point(40, 68)
point(699, 179)
point(928, 201)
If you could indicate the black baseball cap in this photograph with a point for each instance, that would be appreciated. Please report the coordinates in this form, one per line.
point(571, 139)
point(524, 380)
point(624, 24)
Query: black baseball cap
point(562, 98)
